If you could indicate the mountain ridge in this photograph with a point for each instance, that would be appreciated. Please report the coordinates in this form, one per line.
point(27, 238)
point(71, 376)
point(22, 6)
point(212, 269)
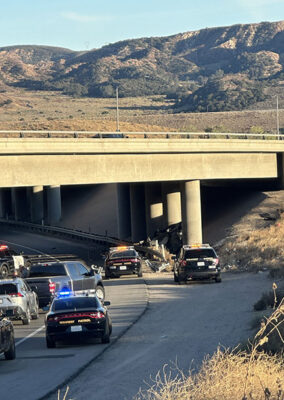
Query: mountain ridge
point(243, 62)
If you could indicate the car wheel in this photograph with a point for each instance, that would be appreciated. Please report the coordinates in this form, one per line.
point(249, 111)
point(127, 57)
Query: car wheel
point(100, 293)
point(27, 319)
point(140, 273)
point(106, 336)
point(50, 343)
point(218, 279)
point(10, 354)
point(4, 271)
point(35, 315)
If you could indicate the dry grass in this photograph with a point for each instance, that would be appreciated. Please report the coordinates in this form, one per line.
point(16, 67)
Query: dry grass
point(222, 377)
point(258, 249)
point(53, 111)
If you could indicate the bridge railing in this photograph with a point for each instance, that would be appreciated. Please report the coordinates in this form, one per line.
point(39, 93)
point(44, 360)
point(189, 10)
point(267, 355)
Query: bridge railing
point(135, 135)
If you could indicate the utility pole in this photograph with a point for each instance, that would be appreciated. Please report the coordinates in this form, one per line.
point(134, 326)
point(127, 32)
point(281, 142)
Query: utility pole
point(117, 112)
point(277, 116)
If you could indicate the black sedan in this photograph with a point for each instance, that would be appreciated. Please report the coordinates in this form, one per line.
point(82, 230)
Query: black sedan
point(7, 342)
point(75, 318)
point(122, 260)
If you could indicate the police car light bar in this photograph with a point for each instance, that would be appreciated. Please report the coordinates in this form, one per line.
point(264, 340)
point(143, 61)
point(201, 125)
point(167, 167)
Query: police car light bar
point(121, 248)
point(196, 245)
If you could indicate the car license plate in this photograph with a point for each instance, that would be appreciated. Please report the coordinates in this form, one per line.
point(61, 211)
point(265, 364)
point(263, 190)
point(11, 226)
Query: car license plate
point(200, 263)
point(123, 267)
point(212, 267)
point(76, 328)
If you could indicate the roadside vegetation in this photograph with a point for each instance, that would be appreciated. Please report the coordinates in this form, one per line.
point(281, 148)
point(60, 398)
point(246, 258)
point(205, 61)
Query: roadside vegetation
point(254, 370)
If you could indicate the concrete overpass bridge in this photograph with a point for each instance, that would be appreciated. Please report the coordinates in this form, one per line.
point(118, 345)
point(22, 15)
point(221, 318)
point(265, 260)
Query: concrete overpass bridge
point(157, 175)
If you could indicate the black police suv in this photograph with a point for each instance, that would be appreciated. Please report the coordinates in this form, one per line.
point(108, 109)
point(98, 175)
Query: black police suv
point(197, 262)
point(7, 341)
point(123, 260)
point(77, 317)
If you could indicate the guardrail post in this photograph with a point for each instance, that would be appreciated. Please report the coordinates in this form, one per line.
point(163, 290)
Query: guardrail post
point(75, 134)
point(145, 136)
point(22, 135)
point(49, 135)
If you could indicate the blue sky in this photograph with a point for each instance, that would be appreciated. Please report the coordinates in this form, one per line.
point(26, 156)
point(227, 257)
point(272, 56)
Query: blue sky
point(87, 24)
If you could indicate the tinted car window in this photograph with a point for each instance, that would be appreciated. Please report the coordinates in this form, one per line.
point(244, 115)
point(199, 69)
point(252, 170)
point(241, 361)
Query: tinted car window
point(75, 304)
point(8, 288)
point(73, 270)
point(47, 270)
point(200, 253)
point(121, 254)
point(83, 270)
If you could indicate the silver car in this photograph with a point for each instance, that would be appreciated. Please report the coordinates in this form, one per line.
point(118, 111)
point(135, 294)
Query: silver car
point(18, 301)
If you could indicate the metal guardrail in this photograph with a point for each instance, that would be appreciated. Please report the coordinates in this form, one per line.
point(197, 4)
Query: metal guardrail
point(73, 233)
point(145, 135)
point(76, 234)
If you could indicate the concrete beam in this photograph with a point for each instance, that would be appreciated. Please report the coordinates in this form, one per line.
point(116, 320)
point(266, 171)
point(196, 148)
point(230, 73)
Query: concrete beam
point(172, 202)
point(137, 207)
point(29, 170)
point(154, 208)
point(191, 218)
point(123, 211)
point(20, 208)
point(53, 204)
point(36, 204)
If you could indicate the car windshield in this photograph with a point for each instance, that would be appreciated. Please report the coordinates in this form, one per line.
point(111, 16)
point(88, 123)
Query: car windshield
point(43, 270)
point(75, 303)
point(8, 288)
point(200, 253)
point(122, 254)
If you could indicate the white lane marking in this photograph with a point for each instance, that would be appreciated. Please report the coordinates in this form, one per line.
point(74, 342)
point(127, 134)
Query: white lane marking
point(29, 248)
point(30, 335)
point(40, 252)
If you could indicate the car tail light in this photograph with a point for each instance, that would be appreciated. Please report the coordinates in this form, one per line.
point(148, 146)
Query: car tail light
point(183, 263)
point(16, 294)
point(97, 315)
point(135, 260)
point(52, 286)
point(216, 261)
point(52, 319)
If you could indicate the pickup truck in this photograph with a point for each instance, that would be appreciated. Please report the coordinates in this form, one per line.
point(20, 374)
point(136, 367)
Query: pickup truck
point(48, 279)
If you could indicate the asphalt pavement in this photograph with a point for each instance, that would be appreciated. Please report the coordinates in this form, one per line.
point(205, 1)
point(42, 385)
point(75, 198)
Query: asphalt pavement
point(156, 322)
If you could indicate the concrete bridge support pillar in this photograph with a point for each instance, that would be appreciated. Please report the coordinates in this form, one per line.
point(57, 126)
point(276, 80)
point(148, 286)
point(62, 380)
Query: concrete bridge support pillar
point(123, 211)
point(171, 203)
point(191, 208)
point(20, 209)
point(154, 207)
point(53, 204)
point(137, 208)
point(280, 168)
point(2, 204)
point(36, 204)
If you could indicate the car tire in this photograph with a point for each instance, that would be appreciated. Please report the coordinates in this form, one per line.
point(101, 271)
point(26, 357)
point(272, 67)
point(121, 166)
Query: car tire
point(106, 336)
point(218, 279)
point(10, 354)
point(140, 273)
point(50, 343)
point(35, 315)
point(100, 293)
point(27, 319)
point(4, 271)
